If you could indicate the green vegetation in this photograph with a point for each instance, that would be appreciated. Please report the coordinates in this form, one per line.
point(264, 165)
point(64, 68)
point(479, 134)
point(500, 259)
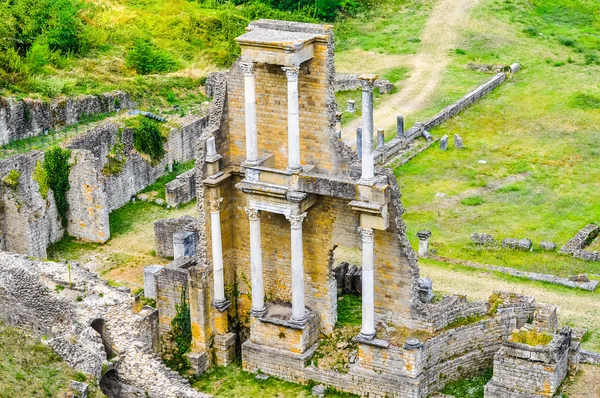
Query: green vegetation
point(531, 337)
point(12, 179)
point(56, 169)
point(469, 388)
point(464, 321)
point(233, 382)
point(148, 137)
point(349, 308)
point(179, 340)
point(115, 159)
point(146, 59)
point(29, 368)
point(158, 187)
point(540, 171)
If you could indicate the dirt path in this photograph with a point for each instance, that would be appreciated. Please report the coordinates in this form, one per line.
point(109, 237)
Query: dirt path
point(441, 34)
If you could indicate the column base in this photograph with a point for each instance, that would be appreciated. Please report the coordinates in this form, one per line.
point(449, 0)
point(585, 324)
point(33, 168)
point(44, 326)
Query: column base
point(299, 321)
point(222, 305)
point(250, 163)
point(365, 336)
point(259, 313)
point(367, 181)
point(294, 170)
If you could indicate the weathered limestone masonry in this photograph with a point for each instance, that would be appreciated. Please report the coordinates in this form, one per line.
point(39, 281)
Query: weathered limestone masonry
point(524, 371)
point(26, 118)
point(29, 223)
point(86, 333)
point(166, 228)
point(181, 190)
point(576, 245)
point(277, 192)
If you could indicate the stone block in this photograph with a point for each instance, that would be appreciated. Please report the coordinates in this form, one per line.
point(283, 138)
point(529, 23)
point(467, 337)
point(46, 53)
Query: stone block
point(198, 362)
point(518, 244)
point(458, 141)
point(483, 239)
point(184, 244)
point(319, 391)
point(548, 246)
point(150, 280)
point(444, 143)
point(425, 290)
point(80, 390)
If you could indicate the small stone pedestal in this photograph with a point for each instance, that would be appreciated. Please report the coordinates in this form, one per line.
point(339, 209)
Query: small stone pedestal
point(198, 362)
point(424, 242)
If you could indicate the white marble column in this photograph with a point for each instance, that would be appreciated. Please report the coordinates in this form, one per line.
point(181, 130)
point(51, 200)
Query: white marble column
point(217, 251)
point(293, 119)
point(367, 330)
point(298, 309)
point(367, 82)
point(256, 268)
point(250, 113)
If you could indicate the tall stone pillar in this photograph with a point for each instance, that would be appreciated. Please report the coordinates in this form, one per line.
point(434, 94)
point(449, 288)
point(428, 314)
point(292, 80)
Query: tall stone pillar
point(250, 113)
point(367, 82)
point(293, 119)
point(256, 269)
point(220, 301)
point(298, 309)
point(367, 330)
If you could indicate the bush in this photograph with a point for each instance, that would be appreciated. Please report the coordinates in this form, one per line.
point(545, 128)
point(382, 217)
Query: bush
point(472, 201)
point(146, 59)
point(591, 58)
point(566, 41)
point(531, 31)
point(148, 138)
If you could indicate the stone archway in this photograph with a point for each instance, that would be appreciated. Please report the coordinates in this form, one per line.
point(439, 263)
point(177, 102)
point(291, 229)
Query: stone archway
point(99, 326)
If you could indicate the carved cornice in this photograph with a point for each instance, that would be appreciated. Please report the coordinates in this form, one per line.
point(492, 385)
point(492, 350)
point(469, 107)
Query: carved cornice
point(247, 68)
point(296, 220)
point(291, 72)
point(253, 214)
point(214, 206)
point(366, 234)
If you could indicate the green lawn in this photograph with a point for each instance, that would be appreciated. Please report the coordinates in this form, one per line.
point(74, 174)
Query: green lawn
point(543, 122)
point(233, 382)
point(28, 368)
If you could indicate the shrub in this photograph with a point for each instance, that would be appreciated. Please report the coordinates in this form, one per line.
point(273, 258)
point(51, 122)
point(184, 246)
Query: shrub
point(531, 31)
point(566, 41)
point(591, 58)
point(12, 179)
point(472, 201)
point(57, 168)
point(179, 338)
point(148, 138)
point(39, 176)
point(146, 59)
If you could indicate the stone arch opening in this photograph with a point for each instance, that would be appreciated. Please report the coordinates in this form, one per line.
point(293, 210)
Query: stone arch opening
point(99, 326)
point(347, 271)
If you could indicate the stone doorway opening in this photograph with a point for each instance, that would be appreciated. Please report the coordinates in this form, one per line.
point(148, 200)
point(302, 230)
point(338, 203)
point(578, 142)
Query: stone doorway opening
point(99, 326)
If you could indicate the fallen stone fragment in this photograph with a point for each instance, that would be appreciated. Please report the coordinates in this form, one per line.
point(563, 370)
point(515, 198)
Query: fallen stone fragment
point(517, 244)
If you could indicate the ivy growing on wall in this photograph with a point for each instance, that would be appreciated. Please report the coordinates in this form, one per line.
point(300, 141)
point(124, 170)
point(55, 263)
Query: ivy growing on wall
point(148, 137)
point(179, 340)
point(55, 175)
point(39, 176)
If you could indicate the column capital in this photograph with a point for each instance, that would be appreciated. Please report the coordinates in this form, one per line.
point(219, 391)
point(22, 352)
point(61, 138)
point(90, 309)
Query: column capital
point(291, 72)
point(367, 81)
point(214, 206)
point(247, 68)
point(296, 220)
point(253, 214)
point(366, 234)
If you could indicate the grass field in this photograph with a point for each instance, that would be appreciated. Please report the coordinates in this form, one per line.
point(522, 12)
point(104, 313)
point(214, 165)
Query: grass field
point(542, 124)
point(30, 369)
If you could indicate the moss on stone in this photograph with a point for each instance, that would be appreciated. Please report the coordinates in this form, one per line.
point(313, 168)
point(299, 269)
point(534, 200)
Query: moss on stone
point(12, 179)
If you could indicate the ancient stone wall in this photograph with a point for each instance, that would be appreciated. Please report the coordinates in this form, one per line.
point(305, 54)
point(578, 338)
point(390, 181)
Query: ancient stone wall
point(26, 118)
point(28, 222)
point(181, 190)
point(351, 82)
point(165, 229)
point(525, 371)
